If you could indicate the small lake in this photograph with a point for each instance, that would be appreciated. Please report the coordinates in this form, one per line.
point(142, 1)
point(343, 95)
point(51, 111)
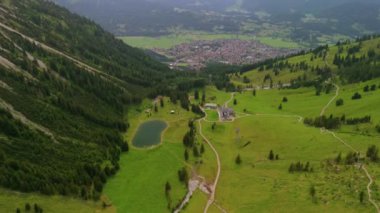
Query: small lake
point(149, 134)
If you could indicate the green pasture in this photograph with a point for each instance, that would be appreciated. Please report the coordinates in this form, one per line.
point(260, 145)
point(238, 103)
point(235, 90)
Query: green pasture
point(139, 186)
point(261, 185)
point(10, 201)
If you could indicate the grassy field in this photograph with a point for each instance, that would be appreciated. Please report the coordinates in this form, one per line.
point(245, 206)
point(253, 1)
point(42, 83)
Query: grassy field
point(139, 186)
point(261, 185)
point(169, 41)
point(10, 201)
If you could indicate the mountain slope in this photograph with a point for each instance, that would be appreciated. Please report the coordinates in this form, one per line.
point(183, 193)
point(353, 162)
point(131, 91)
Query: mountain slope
point(64, 87)
point(347, 62)
point(307, 22)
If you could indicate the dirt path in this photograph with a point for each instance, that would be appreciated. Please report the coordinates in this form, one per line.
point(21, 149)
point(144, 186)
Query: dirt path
point(332, 100)
point(213, 189)
point(229, 100)
point(212, 196)
point(362, 166)
point(369, 188)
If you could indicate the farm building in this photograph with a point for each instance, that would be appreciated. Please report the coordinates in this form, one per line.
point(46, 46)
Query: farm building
point(226, 113)
point(211, 106)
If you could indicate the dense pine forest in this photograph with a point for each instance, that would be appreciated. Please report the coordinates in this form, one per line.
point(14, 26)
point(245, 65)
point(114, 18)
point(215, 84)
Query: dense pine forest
point(65, 85)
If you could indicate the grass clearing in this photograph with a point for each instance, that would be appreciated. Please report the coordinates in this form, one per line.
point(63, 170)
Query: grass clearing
point(10, 201)
point(139, 186)
point(261, 185)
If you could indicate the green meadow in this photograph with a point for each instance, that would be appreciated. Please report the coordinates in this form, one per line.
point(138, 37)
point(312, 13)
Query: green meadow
point(139, 186)
point(10, 201)
point(262, 185)
point(257, 184)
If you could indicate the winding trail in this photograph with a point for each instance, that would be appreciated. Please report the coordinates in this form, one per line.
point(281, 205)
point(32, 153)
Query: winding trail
point(369, 189)
point(362, 166)
point(332, 100)
point(213, 190)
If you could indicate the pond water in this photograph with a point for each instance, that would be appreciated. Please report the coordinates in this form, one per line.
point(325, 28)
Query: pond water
point(149, 134)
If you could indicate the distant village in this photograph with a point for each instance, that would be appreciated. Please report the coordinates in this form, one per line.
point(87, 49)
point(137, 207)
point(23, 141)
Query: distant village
point(198, 54)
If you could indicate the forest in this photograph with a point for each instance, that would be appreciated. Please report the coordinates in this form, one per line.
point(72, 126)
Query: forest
point(60, 120)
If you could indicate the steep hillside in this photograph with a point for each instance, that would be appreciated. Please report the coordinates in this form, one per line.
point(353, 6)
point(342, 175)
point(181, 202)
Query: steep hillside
point(348, 62)
point(65, 85)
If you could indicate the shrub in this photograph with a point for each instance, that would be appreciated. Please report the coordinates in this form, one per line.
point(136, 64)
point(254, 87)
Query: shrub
point(366, 89)
point(339, 102)
point(378, 128)
point(356, 96)
point(361, 197)
point(312, 191)
point(323, 121)
point(27, 207)
point(285, 100)
point(373, 153)
point(300, 167)
point(352, 158)
point(271, 155)
point(354, 121)
point(238, 160)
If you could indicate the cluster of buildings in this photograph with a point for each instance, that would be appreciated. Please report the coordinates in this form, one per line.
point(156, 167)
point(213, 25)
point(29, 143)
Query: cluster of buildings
point(197, 54)
point(225, 113)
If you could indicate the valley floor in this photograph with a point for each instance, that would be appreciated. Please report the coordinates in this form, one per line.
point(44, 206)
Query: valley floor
point(257, 183)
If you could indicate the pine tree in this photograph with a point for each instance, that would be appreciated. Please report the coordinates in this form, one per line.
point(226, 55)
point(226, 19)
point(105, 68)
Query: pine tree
point(373, 153)
point(162, 102)
point(238, 160)
point(27, 207)
point(291, 168)
point(338, 159)
point(168, 187)
point(312, 191)
point(271, 155)
point(195, 151)
point(202, 149)
point(361, 197)
point(196, 95)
